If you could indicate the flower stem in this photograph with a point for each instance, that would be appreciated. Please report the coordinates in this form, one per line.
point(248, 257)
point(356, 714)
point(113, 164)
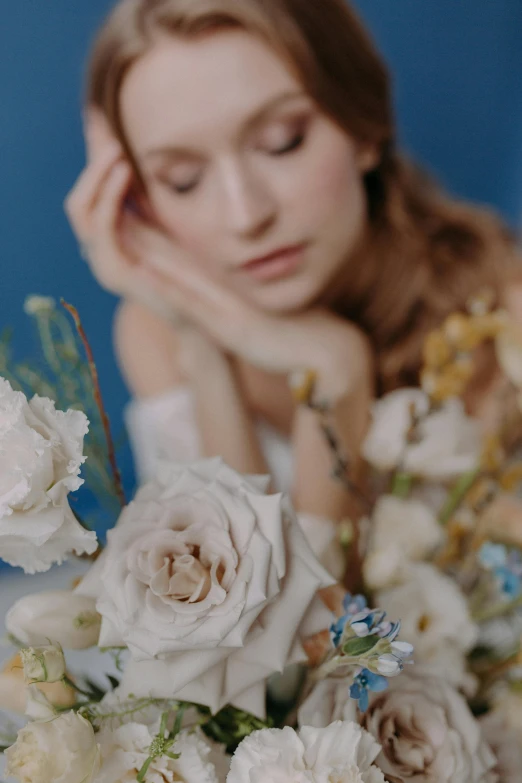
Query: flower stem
point(457, 495)
point(497, 610)
point(401, 484)
point(99, 402)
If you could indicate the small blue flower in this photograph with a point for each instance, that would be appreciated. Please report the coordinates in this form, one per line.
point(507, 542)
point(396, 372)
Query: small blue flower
point(505, 566)
point(509, 582)
point(364, 682)
point(353, 604)
point(492, 555)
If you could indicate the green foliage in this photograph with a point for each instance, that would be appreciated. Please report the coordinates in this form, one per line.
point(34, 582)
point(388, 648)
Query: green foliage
point(62, 374)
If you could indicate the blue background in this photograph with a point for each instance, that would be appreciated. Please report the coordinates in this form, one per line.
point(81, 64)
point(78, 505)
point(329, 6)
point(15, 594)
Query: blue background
point(458, 72)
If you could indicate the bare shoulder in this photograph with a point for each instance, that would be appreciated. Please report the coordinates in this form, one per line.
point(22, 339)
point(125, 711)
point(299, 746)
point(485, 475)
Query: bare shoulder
point(147, 350)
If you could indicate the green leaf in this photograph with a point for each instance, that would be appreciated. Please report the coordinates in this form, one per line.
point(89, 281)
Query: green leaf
point(357, 647)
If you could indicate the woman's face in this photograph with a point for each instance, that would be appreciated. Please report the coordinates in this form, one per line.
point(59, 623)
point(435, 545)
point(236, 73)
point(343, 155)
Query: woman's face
point(239, 163)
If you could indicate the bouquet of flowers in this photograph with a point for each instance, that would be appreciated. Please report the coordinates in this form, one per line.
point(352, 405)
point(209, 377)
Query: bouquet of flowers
point(227, 651)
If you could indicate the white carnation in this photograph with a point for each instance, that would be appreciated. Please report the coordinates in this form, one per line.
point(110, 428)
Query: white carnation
point(340, 752)
point(125, 750)
point(40, 460)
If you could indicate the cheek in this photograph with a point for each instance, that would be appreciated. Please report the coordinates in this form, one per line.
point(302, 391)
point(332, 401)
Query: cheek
point(183, 223)
point(331, 186)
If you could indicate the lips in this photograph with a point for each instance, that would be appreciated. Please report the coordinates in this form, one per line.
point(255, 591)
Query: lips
point(280, 263)
point(270, 257)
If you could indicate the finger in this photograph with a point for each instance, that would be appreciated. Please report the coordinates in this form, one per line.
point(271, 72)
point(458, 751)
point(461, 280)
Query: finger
point(109, 261)
point(97, 131)
point(216, 315)
point(84, 195)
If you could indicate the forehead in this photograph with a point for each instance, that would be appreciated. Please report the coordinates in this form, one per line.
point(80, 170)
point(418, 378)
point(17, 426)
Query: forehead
point(196, 87)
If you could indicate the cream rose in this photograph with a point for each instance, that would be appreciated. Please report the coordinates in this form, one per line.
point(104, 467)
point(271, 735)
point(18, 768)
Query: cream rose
point(66, 617)
point(401, 531)
point(14, 690)
point(40, 460)
point(340, 752)
point(125, 750)
point(434, 618)
point(211, 585)
point(62, 750)
point(448, 442)
point(504, 741)
point(43, 664)
point(427, 733)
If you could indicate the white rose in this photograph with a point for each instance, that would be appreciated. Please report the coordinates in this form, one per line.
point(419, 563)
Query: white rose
point(448, 442)
point(13, 689)
point(434, 618)
point(340, 752)
point(427, 733)
point(43, 664)
point(62, 750)
point(125, 750)
point(40, 459)
point(402, 531)
point(66, 617)
point(211, 585)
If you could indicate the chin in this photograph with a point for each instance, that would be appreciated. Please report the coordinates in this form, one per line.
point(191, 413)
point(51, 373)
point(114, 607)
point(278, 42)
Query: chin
point(284, 298)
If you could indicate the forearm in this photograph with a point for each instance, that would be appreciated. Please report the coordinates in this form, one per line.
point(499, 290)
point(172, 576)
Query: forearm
point(225, 425)
point(315, 490)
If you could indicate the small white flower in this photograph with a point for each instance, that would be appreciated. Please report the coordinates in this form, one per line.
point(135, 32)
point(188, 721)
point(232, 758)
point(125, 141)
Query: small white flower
point(63, 750)
point(401, 531)
point(448, 442)
point(43, 664)
point(434, 617)
point(36, 304)
point(341, 752)
point(66, 617)
point(388, 665)
point(40, 461)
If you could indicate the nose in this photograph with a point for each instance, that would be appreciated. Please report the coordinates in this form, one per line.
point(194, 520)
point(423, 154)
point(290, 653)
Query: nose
point(249, 206)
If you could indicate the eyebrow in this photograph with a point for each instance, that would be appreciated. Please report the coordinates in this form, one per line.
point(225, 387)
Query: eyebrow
point(254, 119)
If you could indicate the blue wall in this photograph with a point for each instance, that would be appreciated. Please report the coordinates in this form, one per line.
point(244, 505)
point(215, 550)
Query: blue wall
point(458, 72)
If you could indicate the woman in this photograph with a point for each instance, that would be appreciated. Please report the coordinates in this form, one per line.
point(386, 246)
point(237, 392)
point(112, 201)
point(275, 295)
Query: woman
point(245, 198)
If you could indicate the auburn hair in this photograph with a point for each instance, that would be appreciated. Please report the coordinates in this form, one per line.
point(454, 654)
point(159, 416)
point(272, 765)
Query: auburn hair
point(423, 254)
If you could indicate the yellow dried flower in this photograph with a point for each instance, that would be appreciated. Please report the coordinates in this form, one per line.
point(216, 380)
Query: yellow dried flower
point(481, 493)
point(482, 303)
point(461, 332)
point(436, 351)
point(511, 477)
point(493, 454)
point(302, 385)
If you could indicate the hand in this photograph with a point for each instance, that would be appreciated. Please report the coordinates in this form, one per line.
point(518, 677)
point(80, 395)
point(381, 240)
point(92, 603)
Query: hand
point(317, 339)
point(105, 226)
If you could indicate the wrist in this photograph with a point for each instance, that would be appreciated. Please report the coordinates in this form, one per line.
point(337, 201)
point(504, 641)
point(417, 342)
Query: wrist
point(200, 357)
point(336, 364)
